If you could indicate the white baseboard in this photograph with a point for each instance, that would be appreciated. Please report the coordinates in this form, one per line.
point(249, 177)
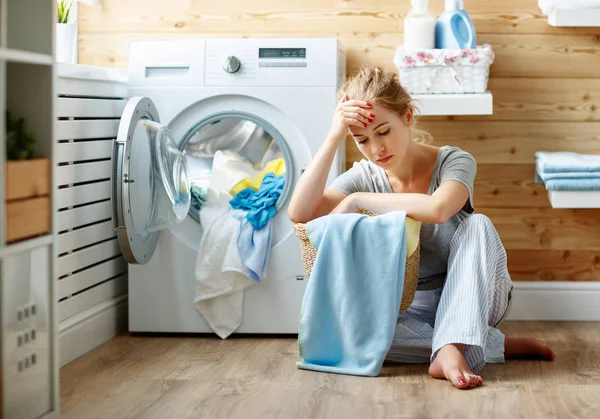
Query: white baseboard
point(532, 301)
point(556, 301)
point(87, 330)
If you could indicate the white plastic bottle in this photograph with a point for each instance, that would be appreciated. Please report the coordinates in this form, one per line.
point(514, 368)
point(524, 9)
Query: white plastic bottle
point(419, 27)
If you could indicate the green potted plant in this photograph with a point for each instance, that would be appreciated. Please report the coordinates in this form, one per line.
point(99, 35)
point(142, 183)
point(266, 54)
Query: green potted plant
point(20, 140)
point(27, 183)
point(66, 29)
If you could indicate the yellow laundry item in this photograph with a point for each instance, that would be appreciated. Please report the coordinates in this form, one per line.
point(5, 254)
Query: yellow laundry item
point(276, 166)
point(413, 231)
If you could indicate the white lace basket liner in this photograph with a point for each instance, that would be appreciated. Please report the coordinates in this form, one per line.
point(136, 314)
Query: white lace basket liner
point(445, 70)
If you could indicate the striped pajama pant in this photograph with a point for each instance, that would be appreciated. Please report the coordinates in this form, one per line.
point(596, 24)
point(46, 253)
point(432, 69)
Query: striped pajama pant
point(474, 300)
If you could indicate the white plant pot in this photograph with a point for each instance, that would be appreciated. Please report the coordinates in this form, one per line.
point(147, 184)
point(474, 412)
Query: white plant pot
point(66, 43)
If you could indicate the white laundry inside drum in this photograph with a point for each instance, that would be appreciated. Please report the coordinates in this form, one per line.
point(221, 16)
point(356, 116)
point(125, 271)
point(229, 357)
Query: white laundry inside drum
point(223, 150)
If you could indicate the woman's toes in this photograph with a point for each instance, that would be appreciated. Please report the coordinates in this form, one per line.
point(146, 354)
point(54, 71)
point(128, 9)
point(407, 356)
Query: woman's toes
point(460, 382)
point(474, 381)
point(548, 353)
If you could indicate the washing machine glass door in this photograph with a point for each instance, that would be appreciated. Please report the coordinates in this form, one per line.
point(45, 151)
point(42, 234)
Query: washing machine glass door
point(150, 186)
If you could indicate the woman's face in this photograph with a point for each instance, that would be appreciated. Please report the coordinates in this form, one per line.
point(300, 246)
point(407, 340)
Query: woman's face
point(385, 140)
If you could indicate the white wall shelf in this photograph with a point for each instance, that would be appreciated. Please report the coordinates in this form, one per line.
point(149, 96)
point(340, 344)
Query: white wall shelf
point(454, 104)
point(574, 17)
point(574, 199)
point(25, 245)
point(25, 57)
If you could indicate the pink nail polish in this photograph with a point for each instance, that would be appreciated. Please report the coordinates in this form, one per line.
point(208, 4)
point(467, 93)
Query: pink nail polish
point(461, 381)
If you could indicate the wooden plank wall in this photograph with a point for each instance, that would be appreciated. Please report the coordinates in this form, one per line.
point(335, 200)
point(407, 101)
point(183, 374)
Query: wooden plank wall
point(544, 81)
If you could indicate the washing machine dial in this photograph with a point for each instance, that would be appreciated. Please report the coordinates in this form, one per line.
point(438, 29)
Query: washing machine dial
point(231, 64)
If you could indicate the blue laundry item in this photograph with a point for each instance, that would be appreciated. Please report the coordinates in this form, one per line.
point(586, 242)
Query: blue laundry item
point(260, 205)
point(568, 171)
point(352, 299)
point(254, 246)
point(198, 195)
point(566, 161)
point(573, 184)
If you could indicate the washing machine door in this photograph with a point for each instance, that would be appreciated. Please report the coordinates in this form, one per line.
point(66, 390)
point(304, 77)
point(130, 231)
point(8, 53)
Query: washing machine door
point(150, 186)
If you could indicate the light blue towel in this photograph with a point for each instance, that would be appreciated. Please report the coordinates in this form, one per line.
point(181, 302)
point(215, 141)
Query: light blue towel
point(573, 184)
point(568, 171)
point(353, 296)
point(566, 161)
point(566, 165)
point(254, 246)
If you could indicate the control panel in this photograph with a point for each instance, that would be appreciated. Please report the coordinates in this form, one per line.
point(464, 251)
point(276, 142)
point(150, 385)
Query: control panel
point(282, 57)
point(248, 62)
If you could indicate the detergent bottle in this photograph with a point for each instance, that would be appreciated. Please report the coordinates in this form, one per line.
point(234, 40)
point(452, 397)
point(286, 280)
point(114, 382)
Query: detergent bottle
point(419, 27)
point(454, 28)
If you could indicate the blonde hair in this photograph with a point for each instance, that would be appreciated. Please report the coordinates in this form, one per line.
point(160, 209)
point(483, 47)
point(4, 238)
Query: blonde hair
point(380, 87)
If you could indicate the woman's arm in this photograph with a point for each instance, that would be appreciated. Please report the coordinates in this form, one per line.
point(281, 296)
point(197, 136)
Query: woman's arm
point(446, 201)
point(310, 200)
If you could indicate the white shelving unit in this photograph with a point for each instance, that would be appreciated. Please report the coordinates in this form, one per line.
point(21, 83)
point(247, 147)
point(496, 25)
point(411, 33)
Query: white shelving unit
point(574, 199)
point(28, 350)
point(454, 104)
point(574, 17)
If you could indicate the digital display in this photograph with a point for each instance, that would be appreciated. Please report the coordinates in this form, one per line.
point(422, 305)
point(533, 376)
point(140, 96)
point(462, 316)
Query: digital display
point(281, 53)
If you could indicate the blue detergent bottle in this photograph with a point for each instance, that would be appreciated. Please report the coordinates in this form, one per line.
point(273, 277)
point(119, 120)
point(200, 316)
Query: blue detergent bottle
point(454, 28)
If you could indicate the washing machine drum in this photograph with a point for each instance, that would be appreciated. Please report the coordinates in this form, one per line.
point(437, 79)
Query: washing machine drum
point(158, 181)
point(230, 152)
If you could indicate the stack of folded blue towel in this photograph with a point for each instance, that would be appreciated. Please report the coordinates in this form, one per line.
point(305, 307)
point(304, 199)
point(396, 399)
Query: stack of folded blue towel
point(568, 171)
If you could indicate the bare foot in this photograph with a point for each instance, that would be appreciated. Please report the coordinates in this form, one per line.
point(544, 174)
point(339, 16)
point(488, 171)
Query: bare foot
point(526, 348)
point(450, 364)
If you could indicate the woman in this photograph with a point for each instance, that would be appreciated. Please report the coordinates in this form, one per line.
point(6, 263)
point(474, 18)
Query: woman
point(464, 286)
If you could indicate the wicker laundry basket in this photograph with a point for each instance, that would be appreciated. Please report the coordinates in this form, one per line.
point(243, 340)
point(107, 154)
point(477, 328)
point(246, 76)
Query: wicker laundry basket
point(411, 276)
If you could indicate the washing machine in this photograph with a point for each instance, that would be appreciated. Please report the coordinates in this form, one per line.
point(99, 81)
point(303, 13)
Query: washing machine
point(187, 100)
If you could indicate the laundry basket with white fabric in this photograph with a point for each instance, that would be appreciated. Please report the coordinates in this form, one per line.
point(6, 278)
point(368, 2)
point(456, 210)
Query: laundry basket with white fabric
point(444, 70)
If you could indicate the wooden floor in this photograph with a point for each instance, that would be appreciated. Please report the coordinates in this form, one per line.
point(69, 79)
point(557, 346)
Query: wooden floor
point(241, 377)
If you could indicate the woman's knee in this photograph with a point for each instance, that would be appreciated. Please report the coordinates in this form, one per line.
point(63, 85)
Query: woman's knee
point(478, 221)
point(479, 229)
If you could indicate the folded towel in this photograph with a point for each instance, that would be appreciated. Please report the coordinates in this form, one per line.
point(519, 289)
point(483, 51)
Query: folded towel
point(254, 246)
point(566, 175)
point(260, 204)
point(548, 6)
point(352, 299)
point(573, 184)
point(566, 161)
point(571, 170)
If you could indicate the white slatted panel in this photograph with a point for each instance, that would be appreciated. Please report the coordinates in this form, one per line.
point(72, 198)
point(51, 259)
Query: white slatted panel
point(89, 108)
point(83, 172)
point(91, 269)
point(69, 197)
point(88, 278)
point(99, 88)
point(85, 150)
point(83, 258)
point(92, 296)
point(88, 214)
point(85, 236)
point(79, 130)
